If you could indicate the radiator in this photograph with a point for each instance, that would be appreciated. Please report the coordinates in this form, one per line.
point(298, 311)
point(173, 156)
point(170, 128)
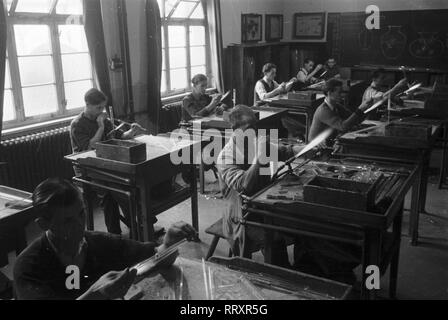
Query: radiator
point(33, 158)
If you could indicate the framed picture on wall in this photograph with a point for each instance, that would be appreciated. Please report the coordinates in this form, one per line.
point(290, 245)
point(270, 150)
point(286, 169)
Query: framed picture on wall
point(309, 26)
point(251, 27)
point(274, 27)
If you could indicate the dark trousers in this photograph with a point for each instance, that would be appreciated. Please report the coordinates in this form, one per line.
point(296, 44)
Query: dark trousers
point(111, 204)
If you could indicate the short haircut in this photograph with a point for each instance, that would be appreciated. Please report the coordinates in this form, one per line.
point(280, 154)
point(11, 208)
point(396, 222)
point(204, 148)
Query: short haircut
point(198, 79)
point(241, 115)
point(331, 85)
point(54, 192)
point(94, 97)
point(308, 60)
point(268, 67)
point(378, 73)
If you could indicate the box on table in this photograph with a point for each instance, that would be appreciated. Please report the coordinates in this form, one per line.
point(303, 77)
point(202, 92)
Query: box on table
point(341, 193)
point(407, 130)
point(121, 150)
point(302, 95)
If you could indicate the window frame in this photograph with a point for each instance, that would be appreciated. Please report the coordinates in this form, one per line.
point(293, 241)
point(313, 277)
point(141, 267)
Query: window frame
point(53, 21)
point(167, 21)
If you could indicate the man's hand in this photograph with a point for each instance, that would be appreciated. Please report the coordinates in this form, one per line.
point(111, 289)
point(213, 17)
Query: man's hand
point(402, 83)
point(216, 99)
point(114, 284)
point(366, 104)
point(219, 110)
point(262, 144)
point(319, 67)
point(137, 129)
point(100, 119)
point(177, 232)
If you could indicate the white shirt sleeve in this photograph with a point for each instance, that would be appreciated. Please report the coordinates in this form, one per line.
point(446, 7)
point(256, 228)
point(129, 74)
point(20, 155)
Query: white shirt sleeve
point(301, 76)
point(260, 90)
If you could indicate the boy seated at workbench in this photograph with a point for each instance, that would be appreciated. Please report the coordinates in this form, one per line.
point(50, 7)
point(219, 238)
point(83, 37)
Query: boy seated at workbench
point(307, 75)
point(92, 126)
point(267, 88)
point(376, 93)
point(40, 271)
point(198, 103)
point(240, 175)
point(332, 114)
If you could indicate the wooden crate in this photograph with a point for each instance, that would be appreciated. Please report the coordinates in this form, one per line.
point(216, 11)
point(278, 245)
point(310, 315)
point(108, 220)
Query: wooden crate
point(340, 193)
point(121, 150)
point(407, 130)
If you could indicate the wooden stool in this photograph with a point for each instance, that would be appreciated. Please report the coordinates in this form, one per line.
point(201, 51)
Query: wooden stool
point(215, 230)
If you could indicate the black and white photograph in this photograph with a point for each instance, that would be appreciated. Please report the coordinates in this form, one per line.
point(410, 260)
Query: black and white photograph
point(274, 27)
point(230, 157)
point(251, 27)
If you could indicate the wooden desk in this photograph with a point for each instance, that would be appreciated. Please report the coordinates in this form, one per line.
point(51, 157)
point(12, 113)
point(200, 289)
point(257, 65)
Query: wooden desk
point(185, 281)
point(297, 107)
point(135, 181)
point(374, 144)
point(367, 230)
point(16, 212)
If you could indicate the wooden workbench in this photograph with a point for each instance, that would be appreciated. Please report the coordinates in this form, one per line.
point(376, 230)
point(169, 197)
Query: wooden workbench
point(368, 230)
point(135, 181)
point(373, 143)
point(16, 212)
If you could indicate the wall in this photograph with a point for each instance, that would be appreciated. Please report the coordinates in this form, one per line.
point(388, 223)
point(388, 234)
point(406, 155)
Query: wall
point(231, 11)
point(292, 6)
point(137, 46)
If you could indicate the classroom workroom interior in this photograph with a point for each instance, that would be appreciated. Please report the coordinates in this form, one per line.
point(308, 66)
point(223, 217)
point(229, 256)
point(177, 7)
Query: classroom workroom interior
point(223, 150)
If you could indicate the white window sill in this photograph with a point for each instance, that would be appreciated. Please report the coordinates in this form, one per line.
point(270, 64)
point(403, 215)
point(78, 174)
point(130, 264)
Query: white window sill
point(48, 125)
point(35, 127)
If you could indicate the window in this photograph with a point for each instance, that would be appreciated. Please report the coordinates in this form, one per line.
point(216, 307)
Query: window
point(48, 66)
point(185, 47)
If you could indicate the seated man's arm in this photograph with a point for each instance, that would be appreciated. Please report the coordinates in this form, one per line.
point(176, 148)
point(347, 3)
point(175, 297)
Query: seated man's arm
point(242, 181)
point(81, 139)
point(261, 91)
point(332, 120)
point(188, 106)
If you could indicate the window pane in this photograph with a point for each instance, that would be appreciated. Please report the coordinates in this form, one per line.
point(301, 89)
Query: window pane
point(7, 76)
point(197, 70)
point(198, 13)
point(169, 5)
point(178, 79)
point(176, 35)
point(8, 106)
point(197, 55)
point(34, 6)
point(163, 82)
point(32, 39)
point(183, 10)
point(178, 58)
point(8, 4)
point(39, 100)
point(36, 70)
point(163, 60)
point(160, 3)
point(74, 93)
point(72, 39)
point(69, 7)
point(197, 36)
point(76, 66)
point(163, 39)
